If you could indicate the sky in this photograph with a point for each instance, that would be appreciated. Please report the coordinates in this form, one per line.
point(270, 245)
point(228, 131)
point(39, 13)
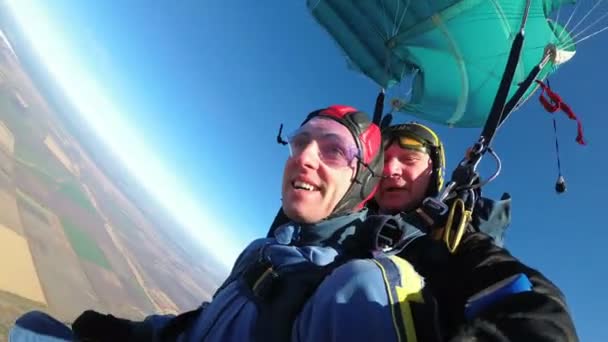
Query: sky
point(192, 94)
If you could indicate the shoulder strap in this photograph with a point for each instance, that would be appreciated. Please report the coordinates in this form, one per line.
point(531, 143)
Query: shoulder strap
point(280, 302)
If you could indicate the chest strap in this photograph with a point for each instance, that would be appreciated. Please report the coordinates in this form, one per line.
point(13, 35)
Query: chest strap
point(280, 295)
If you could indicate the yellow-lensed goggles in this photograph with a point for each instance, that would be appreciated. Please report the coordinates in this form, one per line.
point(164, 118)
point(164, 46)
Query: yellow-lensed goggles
point(408, 142)
point(411, 143)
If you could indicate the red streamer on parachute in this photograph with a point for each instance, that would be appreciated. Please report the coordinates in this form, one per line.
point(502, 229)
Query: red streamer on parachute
point(554, 102)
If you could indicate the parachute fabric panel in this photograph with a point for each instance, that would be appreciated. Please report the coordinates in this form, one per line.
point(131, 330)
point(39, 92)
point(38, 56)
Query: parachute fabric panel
point(454, 51)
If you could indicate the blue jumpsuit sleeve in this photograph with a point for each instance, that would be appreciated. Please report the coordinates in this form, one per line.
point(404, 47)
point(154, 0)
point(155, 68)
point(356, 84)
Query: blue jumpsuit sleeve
point(151, 326)
point(351, 304)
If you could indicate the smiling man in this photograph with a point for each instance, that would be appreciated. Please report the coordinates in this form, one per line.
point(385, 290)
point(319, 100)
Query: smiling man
point(321, 275)
point(316, 186)
point(413, 167)
point(483, 292)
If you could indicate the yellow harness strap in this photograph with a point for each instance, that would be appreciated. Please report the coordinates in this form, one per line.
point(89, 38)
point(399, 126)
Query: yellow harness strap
point(403, 285)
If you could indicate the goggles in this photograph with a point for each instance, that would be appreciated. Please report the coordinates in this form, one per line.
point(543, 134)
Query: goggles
point(334, 150)
point(412, 144)
point(408, 142)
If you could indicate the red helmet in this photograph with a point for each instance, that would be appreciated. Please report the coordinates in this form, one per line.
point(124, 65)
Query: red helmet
point(371, 156)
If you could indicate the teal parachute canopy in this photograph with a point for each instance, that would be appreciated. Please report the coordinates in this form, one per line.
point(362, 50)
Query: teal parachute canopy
point(451, 52)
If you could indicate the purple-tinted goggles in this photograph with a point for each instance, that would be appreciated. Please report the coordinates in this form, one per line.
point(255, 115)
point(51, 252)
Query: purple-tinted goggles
point(334, 150)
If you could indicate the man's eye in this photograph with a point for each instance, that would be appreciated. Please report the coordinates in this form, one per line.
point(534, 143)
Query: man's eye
point(409, 160)
point(299, 141)
point(335, 152)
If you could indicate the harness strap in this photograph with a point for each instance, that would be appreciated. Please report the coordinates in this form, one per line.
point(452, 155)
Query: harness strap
point(260, 277)
point(414, 310)
point(284, 295)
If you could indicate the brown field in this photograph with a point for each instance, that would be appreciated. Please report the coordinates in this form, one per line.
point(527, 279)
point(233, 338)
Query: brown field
point(113, 296)
point(67, 288)
point(17, 266)
point(56, 150)
point(137, 286)
point(8, 207)
point(7, 140)
point(70, 238)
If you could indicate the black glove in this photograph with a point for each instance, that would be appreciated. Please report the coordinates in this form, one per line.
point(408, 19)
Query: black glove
point(93, 326)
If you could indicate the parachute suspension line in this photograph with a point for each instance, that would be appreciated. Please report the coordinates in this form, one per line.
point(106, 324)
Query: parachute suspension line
point(590, 35)
point(564, 31)
point(559, 11)
point(503, 18)
point(560, 184)
point(576, 38)
point(379, 107)
point(386, 27)
point(312, 7)
point(585, 17)
point(407, 7)
point(524, 18)
point(395, 18)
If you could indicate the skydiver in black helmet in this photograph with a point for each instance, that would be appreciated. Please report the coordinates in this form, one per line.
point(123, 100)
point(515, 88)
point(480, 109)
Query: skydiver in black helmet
point(484, 293)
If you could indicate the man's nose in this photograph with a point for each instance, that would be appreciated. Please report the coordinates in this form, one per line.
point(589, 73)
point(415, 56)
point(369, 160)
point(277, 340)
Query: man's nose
point(392, 169)
point(309, 156)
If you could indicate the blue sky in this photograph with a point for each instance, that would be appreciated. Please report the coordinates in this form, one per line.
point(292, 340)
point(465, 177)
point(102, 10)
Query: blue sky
point(195, 91)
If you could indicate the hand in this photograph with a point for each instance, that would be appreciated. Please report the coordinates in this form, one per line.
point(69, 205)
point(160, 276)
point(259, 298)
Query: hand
point(94, 326)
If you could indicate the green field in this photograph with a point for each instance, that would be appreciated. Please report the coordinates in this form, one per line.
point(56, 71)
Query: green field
point(84, 246)
point(72, 190)
point(66, 185)
point(29, 148)
point(40, 161)
point(32, 206)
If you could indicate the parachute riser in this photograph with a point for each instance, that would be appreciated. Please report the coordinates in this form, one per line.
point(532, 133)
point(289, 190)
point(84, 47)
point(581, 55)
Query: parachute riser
point(524, 86)
point(466, 175)
point(498, 106)
point(465, 184)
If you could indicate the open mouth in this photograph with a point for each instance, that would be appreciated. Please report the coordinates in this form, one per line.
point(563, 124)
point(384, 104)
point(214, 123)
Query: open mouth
point(303, 186)
point(395, 189)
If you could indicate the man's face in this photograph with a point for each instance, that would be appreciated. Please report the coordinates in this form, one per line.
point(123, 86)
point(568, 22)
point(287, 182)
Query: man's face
point(319, 171)
point(408, 175)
